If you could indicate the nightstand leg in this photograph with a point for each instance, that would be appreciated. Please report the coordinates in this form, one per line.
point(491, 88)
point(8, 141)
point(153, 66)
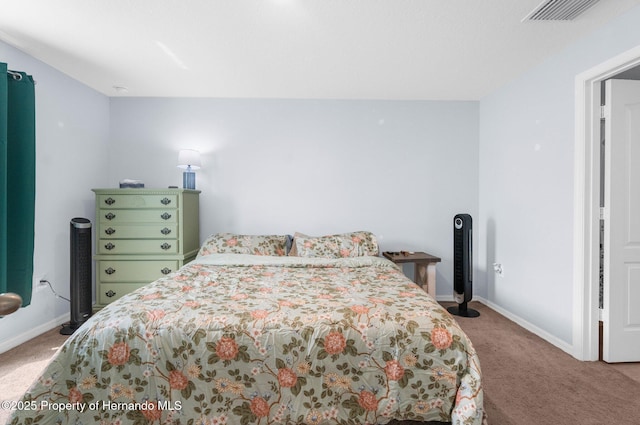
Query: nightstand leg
point(425, 276)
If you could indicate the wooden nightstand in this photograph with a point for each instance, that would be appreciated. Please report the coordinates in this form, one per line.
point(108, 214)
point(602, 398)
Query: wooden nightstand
point(425, 267)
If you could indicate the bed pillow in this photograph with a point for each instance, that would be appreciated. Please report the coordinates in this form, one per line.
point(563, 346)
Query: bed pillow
point(230, 243)
point(293, 251)
point(354, 244)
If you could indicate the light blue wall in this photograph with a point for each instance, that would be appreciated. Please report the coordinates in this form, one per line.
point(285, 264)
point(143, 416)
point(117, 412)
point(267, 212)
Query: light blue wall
point(71, 150)
point(526, 158)
point(399, 169)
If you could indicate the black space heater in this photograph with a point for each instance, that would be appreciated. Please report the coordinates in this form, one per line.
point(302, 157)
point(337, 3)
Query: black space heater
point(80, 278)
point(462, 266)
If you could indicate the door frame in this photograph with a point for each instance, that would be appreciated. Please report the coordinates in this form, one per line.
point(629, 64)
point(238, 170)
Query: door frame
point(586, 223)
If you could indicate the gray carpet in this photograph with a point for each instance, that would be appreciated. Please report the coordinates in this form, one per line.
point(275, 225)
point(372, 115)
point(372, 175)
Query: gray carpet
point(529, 381)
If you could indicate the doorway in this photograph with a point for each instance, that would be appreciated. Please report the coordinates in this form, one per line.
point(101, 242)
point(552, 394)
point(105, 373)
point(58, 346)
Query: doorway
point(587, 188)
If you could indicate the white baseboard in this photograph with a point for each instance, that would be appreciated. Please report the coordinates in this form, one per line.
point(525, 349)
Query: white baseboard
point(32, 333)
point(553, 340)
point(567, 348)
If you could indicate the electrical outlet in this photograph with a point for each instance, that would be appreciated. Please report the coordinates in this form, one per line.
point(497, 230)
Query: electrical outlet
point(497, 267)
point(41, 283)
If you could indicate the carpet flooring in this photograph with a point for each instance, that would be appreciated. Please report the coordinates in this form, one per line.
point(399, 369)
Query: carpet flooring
point(20, 366)
point(527, 381)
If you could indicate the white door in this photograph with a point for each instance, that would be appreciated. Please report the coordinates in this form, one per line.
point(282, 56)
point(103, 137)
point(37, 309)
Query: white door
point(621, 308)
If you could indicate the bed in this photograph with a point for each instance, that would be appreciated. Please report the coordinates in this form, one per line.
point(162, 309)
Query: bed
point(330, 334)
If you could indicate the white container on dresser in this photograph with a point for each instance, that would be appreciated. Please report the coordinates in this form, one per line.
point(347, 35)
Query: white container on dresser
point(142, 235)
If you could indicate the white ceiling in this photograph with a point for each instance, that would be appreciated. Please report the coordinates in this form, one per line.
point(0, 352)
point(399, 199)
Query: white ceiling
point(337, 49)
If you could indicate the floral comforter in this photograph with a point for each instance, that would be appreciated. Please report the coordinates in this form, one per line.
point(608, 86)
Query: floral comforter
point(242, 339)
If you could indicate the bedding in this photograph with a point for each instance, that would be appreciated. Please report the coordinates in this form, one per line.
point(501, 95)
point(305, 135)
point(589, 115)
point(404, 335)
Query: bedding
point(231, 243)
point(354, 244)
point(244, 339)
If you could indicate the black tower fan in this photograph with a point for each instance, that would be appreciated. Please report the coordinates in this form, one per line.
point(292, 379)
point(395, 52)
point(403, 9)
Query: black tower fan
point(80, 279)
point(462, 266)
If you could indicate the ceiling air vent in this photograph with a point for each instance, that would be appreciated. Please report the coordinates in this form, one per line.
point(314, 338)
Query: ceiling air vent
point(559, 10)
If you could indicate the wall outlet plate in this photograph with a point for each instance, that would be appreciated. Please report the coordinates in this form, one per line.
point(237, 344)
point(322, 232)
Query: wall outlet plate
point(40, 283)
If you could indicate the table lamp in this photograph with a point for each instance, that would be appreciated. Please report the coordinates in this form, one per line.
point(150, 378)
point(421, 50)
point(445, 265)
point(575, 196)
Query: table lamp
point(189, 160)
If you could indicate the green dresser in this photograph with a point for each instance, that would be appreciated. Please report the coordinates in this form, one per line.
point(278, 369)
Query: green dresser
point(142, 235)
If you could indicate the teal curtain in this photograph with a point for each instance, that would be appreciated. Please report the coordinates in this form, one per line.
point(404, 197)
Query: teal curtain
point(17, 181)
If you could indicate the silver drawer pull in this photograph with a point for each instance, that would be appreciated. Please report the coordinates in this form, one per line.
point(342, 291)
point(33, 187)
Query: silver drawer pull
point(109, 293)
point(110, 216)
point(165, 216)
point(166, 270)
point(109, 201)
point(165, 246)
point(110, 271)
point(165, 201)
point(165, 231)
point(109, 231)
point(109, 246)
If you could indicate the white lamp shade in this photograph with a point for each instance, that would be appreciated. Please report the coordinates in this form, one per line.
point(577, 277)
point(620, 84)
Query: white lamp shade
point(189, 157)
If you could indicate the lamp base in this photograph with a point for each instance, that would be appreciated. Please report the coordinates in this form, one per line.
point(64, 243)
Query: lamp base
point(189, 180)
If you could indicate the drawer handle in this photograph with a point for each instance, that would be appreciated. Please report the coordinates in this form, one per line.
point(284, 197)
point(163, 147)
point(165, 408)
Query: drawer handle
point(165, 231)
point(109, 201)
point(109, 293)
point(110, 216)
point(166, 270)
point(165, 201)
point(109, 231)
point(109, 246)
point(165, 216)
point(165, 246)
point(110, 271)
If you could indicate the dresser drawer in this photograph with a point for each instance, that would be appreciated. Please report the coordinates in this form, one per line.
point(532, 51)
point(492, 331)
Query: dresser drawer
point(137, 201)
point(109, 292)
point(142, 246)
point(134, 271)
point(123, 231)
point(138, 216)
